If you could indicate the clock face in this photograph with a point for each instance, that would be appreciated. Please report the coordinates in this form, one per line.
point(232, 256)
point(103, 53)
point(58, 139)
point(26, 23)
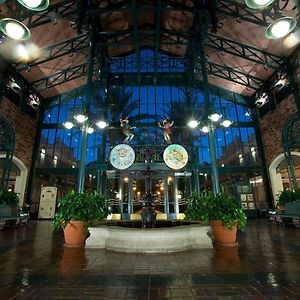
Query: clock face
point(175, 157)
point(122, 156)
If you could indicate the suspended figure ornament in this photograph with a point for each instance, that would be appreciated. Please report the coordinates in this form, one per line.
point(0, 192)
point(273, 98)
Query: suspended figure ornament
point(127, 130)
point(166, 126)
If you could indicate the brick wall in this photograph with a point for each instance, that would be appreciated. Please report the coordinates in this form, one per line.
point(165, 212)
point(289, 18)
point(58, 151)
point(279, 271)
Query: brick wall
point(271, 125)
point(24, 127)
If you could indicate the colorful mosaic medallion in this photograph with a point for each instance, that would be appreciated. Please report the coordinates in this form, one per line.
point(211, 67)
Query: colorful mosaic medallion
point(175, 156)
point(122, 156)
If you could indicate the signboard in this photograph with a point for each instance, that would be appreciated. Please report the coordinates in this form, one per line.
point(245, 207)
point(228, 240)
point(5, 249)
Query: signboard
point(122, 156)
point(175, 156)
point(47, 202)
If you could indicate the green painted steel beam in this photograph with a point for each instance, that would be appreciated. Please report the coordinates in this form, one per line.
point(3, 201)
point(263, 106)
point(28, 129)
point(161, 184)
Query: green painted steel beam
point(256, 55)
point(228, 9)
point(63, 76)
point(213, 41)
point(157, 166)
point(124, 6)
point(61, 10)
point(68, 47)
point(71, 94)
point(164, 80)
point(234, 75)
point(157, 38)
point(136, 37)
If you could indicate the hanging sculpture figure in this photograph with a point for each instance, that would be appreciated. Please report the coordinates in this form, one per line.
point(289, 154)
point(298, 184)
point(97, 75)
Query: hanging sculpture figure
point(127, 130)
point(166, 126)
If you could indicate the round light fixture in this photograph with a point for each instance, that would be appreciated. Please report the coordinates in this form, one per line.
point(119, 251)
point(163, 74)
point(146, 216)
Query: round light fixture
point(90, 130)
point(205, 129)
point(215, 117)
point(68, 125)
point(258, 4)
point(80, 118)
point(14, 29)
point(280, 28)
point(37, 5)
point(101, 124)
point(226, 123)
point(193, 123)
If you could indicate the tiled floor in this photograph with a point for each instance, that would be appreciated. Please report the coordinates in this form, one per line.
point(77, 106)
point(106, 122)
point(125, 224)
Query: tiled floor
point(34, 265)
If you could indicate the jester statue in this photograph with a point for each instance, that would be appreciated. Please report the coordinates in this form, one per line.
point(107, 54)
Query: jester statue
point(166, 126)
point(127, 130)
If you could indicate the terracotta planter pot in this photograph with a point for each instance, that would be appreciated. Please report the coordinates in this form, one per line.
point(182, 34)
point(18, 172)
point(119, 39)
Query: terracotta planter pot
point(223, 236)
point(75, 234)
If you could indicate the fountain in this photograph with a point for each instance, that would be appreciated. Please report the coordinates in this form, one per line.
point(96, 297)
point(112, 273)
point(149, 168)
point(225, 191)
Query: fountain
point(142, 237)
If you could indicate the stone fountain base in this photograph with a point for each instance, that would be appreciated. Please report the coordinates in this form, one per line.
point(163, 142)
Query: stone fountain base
point(156, 240)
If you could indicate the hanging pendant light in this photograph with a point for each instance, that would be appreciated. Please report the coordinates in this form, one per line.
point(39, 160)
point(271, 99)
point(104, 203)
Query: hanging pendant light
point(14, 29)
point(280, 28)
point(258, 4)
point(37, 5)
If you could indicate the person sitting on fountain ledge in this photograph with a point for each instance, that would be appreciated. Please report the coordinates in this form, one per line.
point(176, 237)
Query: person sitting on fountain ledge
point(148, 213)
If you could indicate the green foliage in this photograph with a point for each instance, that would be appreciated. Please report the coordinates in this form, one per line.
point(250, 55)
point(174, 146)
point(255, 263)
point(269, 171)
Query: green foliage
point(9, 198)
point(86, 206)
point(288, 195)
point(206, 206)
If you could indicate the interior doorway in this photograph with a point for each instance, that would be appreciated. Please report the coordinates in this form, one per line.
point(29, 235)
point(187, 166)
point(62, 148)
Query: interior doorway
point(279, 175)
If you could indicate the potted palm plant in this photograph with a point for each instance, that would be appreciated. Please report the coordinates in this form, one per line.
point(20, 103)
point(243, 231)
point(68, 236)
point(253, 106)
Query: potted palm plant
point(75, 212)
point(222, 211)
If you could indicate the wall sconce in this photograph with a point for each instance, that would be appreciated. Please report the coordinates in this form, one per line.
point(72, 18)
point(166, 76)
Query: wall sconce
point(280, 82)
point(262, 99)
point(258, 4)
point(14, 29)
point(37, 5)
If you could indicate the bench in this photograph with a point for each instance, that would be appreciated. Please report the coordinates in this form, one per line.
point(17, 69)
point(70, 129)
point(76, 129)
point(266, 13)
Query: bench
point(291, 214)
point(12, 216)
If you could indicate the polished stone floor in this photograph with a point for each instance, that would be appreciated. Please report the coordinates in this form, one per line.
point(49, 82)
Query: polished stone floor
point(265, 265)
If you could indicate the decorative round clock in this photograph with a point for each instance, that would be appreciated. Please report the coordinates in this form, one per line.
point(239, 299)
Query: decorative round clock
point(122, 156)
point(175, 156)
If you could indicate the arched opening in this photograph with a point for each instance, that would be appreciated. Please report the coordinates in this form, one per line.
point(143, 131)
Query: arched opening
point(7, 146)
point(278, 171)
point(17, 177)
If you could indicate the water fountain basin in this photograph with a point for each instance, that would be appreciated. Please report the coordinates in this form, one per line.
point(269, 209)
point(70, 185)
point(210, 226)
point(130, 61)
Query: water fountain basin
point(150, 240)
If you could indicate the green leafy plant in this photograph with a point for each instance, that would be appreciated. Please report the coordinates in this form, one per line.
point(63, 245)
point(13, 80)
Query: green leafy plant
point(206, 206)
point(86, 206)
point(9, 198)
point(297, 194)
point(287, 195)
